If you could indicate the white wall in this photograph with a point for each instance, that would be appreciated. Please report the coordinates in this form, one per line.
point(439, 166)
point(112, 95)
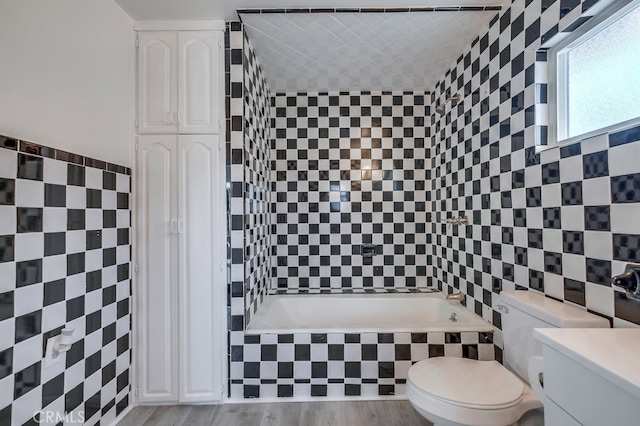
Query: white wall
point(67, 76)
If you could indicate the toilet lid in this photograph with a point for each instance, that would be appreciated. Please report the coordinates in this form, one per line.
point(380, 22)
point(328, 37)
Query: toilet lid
point(467, 383)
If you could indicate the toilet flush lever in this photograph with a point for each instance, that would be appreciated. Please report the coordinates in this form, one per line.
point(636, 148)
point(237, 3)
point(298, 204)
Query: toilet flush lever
point(629, 280)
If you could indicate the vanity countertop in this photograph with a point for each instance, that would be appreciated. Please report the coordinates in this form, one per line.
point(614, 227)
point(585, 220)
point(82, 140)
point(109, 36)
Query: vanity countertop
point(613, 353)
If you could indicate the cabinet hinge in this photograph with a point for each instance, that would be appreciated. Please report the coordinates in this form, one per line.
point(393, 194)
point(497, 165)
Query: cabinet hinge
point(136, 148)
point(135, 265)
point(137, 123)
point(137, 391)
point(137, 42)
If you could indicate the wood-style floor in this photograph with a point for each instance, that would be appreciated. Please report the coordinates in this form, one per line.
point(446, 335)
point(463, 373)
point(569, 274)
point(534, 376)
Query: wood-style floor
point(351, 413)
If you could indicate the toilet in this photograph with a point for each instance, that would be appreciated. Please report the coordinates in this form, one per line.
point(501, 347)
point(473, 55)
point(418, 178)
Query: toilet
point(458, 391)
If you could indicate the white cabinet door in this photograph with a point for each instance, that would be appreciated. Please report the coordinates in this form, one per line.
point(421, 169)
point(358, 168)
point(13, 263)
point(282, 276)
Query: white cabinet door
point(157, 276)
point(180, 284)
point(200, 80)
point(199, 234)
point(157, 82)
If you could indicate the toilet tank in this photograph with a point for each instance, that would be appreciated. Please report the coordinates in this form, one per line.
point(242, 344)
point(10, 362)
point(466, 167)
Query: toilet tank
point(522, 311)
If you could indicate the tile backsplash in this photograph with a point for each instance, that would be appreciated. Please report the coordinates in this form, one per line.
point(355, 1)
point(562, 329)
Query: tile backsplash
point(65, 254)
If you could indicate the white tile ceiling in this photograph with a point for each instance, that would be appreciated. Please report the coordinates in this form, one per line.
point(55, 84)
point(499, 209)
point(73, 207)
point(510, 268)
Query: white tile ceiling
point(318, 52)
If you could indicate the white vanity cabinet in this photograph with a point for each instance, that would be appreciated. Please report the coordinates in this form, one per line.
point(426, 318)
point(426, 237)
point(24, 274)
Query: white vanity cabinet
point(180, 82)
point(590, 377)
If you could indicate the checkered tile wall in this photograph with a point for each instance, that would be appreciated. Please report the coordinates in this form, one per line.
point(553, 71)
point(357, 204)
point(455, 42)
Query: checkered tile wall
point(257, 183)
point(350, 170)
point(558, 221)
point(305, 365)
point(65, 250)
point(248, 177)
point(339, 365)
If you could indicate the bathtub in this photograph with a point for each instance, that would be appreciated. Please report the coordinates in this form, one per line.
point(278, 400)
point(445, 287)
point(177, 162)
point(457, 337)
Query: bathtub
point(369, 313)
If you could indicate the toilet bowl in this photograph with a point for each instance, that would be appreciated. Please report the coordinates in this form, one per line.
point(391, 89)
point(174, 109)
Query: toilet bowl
point(459, 391)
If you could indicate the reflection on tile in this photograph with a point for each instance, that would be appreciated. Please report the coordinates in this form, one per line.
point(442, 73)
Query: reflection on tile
point(32, 148)
point(108, 257)
point(75, 263)
point(6, 363)
point(75, 175)
point(626, 247)
point(52, 390)
point(597, 218)
point(123, 200)
point(7, 191)
point(28, 272)
point(30, 167)
point(94, 280)
point(29, 219)
point(54, 243)
point(75, 308)
point(574, 291)
point(28, 325)
point(94, 198)
point(26, 380)
point(7, 247)
point(627, 309)
point(73, 398)
point(75, 219)
point(92, 406)
point(6, 305)
point(109, 219)
point(55, 195)
point(93, 322)
point(54, 292)
point(94, 239)
point(598, 271)
point(625, 189)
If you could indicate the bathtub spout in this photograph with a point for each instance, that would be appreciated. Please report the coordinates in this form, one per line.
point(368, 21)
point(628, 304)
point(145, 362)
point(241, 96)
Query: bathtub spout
point(460, 297)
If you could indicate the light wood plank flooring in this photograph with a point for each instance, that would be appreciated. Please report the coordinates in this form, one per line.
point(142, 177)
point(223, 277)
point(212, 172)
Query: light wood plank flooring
point(348, 413)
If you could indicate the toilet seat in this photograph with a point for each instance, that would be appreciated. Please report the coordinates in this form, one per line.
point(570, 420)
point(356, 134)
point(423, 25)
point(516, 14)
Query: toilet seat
point(459, 391)
point(467, 383)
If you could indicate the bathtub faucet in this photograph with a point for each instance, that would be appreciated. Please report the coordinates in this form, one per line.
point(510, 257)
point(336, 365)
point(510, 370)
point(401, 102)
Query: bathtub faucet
point(460, 297)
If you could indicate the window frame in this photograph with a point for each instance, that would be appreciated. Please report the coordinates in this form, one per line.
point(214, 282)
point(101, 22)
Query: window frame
point(557, 64)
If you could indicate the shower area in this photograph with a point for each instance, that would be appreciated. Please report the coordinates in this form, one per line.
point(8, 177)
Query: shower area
point(330, 196)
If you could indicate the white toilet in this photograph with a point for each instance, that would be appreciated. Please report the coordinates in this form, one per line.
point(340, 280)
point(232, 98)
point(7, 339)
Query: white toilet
point(459, 391)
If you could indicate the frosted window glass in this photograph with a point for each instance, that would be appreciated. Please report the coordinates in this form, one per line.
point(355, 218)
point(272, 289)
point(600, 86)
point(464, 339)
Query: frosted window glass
point(603, 85)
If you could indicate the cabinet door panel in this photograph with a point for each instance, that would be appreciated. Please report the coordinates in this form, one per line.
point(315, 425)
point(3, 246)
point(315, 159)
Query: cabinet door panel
point(200, 378)
point(157, 275)
point(200, 82)
point(157, 82)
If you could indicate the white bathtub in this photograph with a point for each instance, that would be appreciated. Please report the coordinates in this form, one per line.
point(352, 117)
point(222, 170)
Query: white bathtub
point(414, 312)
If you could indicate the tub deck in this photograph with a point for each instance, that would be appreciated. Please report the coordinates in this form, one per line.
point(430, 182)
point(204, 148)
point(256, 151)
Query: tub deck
point(371, 313)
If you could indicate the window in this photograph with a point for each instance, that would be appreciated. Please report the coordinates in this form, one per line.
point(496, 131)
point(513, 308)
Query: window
point(597, 75)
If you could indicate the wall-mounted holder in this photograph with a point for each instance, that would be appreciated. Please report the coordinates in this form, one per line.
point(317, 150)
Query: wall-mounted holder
point(369, 250)
point(460, 220)
point(629, 280)
point(58, 345)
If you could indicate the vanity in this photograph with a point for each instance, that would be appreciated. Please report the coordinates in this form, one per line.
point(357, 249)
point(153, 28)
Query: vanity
point(591, 376)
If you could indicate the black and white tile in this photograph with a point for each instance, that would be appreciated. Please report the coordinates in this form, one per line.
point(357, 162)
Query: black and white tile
point(65, 254)
point(306, 365)
point(338, 365)
point(553, 220)
point(349, 170)
point(257, 183)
